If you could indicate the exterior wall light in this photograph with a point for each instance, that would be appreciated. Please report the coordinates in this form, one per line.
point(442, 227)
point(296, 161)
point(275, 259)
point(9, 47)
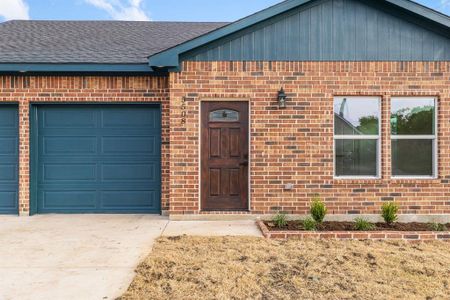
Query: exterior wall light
point(281, 98)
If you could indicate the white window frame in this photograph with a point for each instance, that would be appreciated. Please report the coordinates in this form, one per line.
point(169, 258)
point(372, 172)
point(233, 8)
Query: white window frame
point(359, 137)
point(433, 137)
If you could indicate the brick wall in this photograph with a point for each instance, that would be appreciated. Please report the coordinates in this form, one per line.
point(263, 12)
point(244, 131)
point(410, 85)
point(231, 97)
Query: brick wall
point(28, 89)
point(295, 145)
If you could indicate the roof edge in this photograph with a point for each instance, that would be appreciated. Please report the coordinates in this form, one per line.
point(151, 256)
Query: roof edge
point(424, 11)
point(170, 58)
point(24, 68)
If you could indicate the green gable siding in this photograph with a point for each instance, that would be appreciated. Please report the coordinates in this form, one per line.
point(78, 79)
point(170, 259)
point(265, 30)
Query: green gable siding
point(332, 30)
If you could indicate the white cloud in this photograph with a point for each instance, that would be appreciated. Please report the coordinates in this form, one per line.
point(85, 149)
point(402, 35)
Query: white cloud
point(129, 10)
point(14, 9)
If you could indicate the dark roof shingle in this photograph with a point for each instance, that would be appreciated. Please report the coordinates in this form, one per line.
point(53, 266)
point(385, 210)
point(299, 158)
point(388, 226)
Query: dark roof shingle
point(99, 42)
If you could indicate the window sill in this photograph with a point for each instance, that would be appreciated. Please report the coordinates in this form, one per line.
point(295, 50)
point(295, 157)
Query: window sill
point(414, 178)
point(387, 180)
point(356, 178)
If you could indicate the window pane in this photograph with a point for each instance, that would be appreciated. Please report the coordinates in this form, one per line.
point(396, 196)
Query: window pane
point(412, 116)
point(356, 116)
point(224, 115)
point(356, 157)
point(412, 157)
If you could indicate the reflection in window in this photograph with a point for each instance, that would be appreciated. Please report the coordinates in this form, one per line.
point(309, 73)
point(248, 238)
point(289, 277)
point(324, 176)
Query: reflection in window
point(224, 115)
point(413, 134)
point(412, 116)
point(412, 157)
point(356, 116)
point(356, 157)
point(356, 135)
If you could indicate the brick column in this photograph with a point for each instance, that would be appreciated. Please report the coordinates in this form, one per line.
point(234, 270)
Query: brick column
point(24, 158)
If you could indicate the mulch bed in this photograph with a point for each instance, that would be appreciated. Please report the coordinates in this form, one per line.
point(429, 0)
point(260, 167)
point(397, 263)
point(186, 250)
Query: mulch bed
point(350, 226)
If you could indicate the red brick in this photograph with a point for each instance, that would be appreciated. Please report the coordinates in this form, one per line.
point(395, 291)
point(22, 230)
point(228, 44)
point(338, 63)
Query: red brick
point(377, 236)
point(344, 235)
point(307, 124)
point(361, 236)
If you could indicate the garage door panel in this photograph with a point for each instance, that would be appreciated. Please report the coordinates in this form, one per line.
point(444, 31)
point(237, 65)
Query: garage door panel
point(8, 117)
point(8, 201)
point(124, 118)
point(64, 145)
point(72, 172)
point(134, 172)
point(9, 159)
point(135, 199)
point(8, 144)
point(8, 173)
point(145, 145)
point(68, 200)
point(64, 118)
point(113, 167)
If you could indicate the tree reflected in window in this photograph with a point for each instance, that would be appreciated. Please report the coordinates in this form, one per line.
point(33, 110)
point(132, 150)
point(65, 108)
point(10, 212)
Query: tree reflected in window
point(413, 133)
point(356, 134)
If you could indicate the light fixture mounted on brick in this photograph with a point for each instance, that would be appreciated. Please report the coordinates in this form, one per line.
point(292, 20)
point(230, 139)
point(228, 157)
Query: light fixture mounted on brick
point(281, 98)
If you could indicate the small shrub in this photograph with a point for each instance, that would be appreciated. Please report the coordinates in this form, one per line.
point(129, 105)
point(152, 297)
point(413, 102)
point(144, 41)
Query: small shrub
point(309, 224)
point(318, 209)
point(280, 220)
point(363, 225)
point(438, 227)
point(389, 212)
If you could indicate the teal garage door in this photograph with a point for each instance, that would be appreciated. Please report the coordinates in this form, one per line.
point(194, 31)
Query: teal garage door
point(98, 158)
point(9, 154)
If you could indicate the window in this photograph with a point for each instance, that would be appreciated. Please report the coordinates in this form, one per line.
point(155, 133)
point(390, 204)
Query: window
point(414, 139)
point(356, 136)
point(224, 115)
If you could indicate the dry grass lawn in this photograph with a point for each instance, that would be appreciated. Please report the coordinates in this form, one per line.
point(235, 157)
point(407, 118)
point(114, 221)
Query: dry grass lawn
point(255, 268)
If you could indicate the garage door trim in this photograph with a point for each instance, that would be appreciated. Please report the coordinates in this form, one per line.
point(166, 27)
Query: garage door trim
point(34, 161)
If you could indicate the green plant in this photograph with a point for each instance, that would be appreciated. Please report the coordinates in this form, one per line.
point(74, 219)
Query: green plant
point(437, 227)
point(389, 212)
point(318, 209)
point(309, 224)
point(280, 220)
point(363, 225)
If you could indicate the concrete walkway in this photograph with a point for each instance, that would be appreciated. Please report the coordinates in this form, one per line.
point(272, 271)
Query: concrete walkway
point(212, 228)
point(86, 256)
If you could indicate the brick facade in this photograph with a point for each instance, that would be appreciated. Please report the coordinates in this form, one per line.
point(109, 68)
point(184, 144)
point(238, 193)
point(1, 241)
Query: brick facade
point(295, 145)
point(26, 90)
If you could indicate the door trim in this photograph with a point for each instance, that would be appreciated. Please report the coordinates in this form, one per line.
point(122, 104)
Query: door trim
point(33, 138)
point(249, 192)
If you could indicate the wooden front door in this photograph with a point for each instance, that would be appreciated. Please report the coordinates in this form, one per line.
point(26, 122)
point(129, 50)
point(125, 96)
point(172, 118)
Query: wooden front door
point(224, 156)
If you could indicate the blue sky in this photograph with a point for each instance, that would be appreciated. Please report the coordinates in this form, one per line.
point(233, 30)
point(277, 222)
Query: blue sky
point(157, 10)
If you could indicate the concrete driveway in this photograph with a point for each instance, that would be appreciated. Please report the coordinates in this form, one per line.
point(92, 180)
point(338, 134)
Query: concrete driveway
point(73, 256)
